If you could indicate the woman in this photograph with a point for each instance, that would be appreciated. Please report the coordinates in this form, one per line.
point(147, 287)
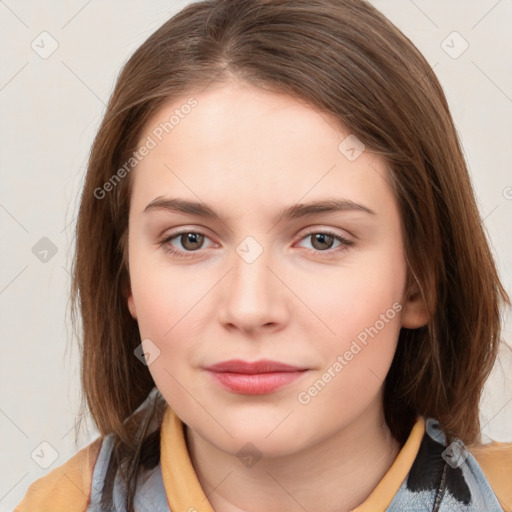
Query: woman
point(252, 371)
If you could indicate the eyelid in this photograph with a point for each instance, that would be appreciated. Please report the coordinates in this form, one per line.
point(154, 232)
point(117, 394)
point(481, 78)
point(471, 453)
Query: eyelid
point(309, 231)
point(329, 231)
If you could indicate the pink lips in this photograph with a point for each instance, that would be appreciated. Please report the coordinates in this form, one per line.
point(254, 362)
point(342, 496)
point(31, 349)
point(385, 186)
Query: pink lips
point(256, 378)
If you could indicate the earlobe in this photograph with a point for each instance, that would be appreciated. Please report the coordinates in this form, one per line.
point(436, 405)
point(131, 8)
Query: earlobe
point(414, 312)
point(131, 306)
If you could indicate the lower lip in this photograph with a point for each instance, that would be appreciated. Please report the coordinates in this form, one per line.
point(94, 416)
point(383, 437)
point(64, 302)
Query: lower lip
point(256, 384)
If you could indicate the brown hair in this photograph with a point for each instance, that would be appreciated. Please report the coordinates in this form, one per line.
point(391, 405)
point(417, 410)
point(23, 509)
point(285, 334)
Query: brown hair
point(344, 58)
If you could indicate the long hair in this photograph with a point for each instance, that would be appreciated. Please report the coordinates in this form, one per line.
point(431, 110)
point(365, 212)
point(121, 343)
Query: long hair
point(344, 58)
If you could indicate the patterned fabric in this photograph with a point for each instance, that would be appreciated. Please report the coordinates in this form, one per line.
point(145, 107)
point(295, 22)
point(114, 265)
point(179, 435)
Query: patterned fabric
point(444, 479)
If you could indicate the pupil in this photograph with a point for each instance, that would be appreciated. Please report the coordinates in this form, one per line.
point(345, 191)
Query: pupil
point(192, 238)
point(322, 238)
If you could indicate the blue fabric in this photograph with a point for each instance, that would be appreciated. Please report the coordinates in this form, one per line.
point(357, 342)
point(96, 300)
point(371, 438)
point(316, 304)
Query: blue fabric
point(150, 495)
point(438, 482)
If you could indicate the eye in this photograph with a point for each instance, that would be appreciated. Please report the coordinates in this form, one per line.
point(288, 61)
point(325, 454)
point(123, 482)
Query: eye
point(191, 241)
point(322, 242)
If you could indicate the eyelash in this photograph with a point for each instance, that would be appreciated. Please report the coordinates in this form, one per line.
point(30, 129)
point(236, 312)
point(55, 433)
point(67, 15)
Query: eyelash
point(345, 243)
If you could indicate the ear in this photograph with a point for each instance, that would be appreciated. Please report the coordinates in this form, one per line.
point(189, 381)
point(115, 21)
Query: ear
point(131, 305)
point(414, 311)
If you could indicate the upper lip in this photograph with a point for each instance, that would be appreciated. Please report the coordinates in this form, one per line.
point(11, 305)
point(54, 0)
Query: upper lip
point(261, 366)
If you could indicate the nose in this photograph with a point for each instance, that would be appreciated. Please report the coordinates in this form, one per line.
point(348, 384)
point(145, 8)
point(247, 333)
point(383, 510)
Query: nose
point(252, 295)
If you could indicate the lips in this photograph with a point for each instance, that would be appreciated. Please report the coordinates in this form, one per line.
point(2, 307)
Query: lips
point(262, 366)
point(254, 378)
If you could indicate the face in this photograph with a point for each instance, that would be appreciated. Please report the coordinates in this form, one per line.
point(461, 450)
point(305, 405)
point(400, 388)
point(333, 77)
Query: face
point(244, 276)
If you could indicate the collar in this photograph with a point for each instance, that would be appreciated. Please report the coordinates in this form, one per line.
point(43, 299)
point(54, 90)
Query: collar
point(184, 492)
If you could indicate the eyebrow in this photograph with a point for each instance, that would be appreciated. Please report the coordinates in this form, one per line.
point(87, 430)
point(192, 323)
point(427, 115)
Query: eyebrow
point(295, 211)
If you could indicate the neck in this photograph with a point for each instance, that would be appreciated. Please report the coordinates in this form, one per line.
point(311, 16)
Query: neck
point(335, 475)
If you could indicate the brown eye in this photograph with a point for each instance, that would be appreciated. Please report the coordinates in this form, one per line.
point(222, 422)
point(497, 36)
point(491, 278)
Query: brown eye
point(191, 241)
point(184, 244)
point(321, 241)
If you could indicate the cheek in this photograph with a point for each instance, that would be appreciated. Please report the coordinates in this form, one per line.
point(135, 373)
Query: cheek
point(168, 306)
point(152, 300)
point(360, 308)
point(164, 312)
point(355, 364)
point(366, 343)
point(351, 299)
point(163, 295)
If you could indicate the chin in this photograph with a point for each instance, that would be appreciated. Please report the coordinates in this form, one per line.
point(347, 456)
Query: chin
point(259, 438)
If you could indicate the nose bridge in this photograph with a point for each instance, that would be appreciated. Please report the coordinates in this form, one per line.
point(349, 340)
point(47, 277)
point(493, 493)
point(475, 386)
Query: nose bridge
point(252, 294)
point(251, 274)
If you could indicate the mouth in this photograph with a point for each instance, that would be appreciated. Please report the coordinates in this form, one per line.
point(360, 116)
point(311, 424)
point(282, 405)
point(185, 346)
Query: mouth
point(254, 378)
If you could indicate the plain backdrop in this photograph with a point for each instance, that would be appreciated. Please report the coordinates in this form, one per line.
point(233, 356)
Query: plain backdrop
point(51, 107)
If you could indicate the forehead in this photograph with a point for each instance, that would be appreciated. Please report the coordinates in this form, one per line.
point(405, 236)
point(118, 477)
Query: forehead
point(243, 119)
point(249, 145)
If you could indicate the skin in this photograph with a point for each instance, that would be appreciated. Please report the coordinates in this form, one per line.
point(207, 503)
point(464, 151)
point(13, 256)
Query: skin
point(249, 153)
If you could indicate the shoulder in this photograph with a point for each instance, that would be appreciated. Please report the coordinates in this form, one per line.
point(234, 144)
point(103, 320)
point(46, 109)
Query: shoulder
point(495, 460)
point(456, 476)
point(67, 487)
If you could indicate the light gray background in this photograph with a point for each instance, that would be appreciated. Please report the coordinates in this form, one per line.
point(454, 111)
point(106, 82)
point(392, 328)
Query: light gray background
point(50, 111)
